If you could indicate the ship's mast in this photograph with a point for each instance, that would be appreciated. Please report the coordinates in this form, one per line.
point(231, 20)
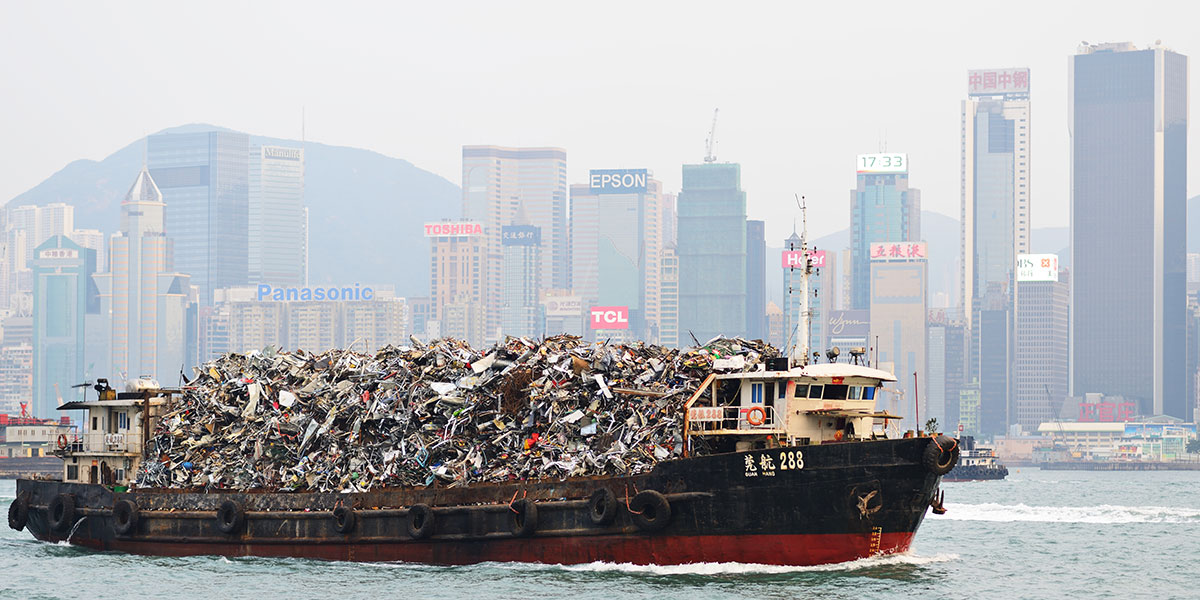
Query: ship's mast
point(801, 351)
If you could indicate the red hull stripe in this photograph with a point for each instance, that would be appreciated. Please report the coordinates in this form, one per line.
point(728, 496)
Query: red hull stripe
point(799, 550)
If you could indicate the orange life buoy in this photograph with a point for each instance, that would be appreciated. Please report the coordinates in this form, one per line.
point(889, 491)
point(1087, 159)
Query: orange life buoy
point(762, 416)
point(62, 441)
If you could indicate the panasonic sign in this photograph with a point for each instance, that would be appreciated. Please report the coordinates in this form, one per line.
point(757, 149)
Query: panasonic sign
point(618, 181)
point(267, 293)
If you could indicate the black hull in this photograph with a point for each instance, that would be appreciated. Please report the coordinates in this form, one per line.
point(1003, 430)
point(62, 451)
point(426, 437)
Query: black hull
point(976, 473)
point(816, 504)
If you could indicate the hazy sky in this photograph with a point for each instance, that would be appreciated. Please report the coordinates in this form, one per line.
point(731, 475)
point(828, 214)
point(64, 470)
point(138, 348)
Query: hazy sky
point(802, 86)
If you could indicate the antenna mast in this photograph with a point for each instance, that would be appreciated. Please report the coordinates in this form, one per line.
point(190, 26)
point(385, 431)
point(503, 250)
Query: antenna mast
point(711, 143)
point(801, 351)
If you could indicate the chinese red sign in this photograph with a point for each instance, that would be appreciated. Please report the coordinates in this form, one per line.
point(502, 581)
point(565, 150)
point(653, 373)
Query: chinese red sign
point(610, 317)
point(989, 82)
point(794, 258)
point(1107, 412)
point(898, 251)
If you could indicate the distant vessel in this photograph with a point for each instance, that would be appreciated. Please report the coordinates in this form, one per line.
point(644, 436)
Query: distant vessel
point(976, 463)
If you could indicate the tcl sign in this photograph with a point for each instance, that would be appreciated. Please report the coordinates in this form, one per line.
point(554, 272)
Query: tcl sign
point(610, 317)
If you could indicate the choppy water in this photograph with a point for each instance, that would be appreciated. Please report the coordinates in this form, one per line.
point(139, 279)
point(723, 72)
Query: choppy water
point(1039, 534)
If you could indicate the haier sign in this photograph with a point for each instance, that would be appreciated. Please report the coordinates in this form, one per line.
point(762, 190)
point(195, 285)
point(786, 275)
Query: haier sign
point(618, 181)
point(610, 317)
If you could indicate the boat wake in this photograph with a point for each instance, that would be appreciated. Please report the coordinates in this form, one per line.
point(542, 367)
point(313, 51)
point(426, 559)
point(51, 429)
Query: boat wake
point(1104, 513)
point(733, 568)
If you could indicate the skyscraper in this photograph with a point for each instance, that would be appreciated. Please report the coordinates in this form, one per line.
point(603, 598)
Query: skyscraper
point(882, 209)
point(995, 178)
point(203, 178)
point(457, 261)
point(62, 293)
point(756, 279)
point(277, 244)
point(711, 247)
point(899, 304)
point(1128, 126)
point(519, 313)
point(152, 307)
point(668, 320)
point(616, 239)
point(1040, 356)
point(496, 181)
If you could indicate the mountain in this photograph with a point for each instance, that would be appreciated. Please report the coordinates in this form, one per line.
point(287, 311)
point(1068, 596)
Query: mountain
point(365, 209)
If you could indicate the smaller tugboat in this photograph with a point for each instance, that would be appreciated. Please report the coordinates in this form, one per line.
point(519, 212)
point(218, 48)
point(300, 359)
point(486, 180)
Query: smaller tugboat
point(976, 463)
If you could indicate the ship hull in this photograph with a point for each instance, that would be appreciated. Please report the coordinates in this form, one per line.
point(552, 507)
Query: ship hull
point(786, 506)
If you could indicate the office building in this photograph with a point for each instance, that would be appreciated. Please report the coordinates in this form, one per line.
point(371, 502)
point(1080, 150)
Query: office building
point(668, 311)
point(616, 240)
point(152, 307)
point(62, 293)
point(520, 312)
point(16, 378)
point(1128, 126)
point(94, 240)
point(458, 261)
point(711, 249)
point(883, 208)
point(277, 243)
point(947, 367)
point(756, 280)
point(1040, 372)
point(203, 178)
point(496, 182)
point(899, 310)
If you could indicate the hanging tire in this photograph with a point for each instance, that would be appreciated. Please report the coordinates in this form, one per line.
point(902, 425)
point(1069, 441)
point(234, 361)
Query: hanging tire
point(420, 521)
point(524, 517)
point(18, 512)
point(230, 517)
point(940, 455)
point(125, 517)
point(602, 507)
point(61, 512)
point(344, 519)
point(651, 511)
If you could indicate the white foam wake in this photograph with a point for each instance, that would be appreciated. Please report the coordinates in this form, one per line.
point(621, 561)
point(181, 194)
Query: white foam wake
point(1104, 513)
point(733, 568)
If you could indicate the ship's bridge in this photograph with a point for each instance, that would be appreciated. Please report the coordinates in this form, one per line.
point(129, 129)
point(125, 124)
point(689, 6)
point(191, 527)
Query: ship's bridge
point(115, 430)
point(818, 403)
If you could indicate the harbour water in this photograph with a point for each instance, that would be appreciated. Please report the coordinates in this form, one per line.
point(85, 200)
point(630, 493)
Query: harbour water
point(1038, 534)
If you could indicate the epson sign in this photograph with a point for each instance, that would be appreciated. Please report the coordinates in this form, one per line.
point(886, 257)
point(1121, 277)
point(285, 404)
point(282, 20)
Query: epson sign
point(618, 181)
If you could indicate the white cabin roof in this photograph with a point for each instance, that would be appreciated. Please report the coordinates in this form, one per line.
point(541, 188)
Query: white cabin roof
point(824, 370)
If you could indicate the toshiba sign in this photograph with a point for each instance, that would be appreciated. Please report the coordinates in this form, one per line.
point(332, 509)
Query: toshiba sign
point(610, 317)
point(464, 228)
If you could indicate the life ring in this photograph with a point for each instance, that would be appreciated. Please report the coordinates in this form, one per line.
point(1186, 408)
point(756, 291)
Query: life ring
point(18, 512)
point(602, 507)
point(230, 517)
point(344, 519)
point(61, 512)
point(940, 455)
point(650, 509)
point(420, 521)
point(524, 517)
point(62, 441)
point(762, 416)
point(125, 517)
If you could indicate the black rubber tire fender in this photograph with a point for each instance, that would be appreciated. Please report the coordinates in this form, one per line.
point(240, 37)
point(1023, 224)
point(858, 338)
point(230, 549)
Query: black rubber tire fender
point(344, 519)
point(602, 507)
point(940, 455)
point(18, 512)
point(524, 517)
point(61, 512)
point(230, 517)
point(420, 521)
point(651, 510)
point(125, 517)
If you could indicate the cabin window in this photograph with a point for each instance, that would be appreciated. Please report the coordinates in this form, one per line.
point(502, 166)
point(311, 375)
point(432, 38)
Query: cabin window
point(868, 393)
point(95, 423)
point(72, 472)
point(770, 390)
point(814, 391)
point(122, 421)
point(835, 392)
point(756, 393)
point(782, 389)
point(801, 390)
point(855, 392)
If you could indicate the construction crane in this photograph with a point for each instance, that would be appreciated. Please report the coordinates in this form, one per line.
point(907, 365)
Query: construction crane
point(709, 157)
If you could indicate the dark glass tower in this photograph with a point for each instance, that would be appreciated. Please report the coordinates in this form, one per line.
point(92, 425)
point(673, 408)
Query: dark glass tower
point(712, 252)
point(1128, 127)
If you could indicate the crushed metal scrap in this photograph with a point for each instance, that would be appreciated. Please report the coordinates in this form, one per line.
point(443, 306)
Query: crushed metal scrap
point(439, 413)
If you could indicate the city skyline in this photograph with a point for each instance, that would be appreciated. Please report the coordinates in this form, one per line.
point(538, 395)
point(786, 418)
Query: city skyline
point(778, 124)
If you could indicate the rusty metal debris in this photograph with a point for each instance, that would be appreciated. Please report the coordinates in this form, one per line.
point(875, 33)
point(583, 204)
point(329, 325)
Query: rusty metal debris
point(424, 414)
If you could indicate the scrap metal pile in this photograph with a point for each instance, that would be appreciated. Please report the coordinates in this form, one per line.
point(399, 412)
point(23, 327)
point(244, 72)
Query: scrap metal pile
point(425, 413)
